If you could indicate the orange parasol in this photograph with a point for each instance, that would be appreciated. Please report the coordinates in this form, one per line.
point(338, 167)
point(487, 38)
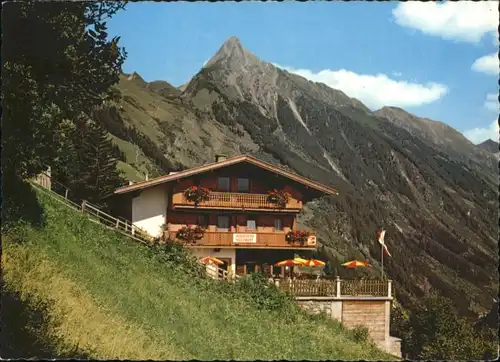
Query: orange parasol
point(212, 260)
point(314, 262)
point(291, 262)
point(355, 264)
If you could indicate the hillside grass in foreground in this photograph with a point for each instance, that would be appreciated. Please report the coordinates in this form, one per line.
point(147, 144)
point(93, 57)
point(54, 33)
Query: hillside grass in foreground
point(105, 296)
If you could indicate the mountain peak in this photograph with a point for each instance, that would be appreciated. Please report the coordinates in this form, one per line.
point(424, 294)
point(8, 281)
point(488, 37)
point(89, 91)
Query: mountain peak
point(136, 77)
point(232, 48)
point(232, 54)
point(232, 41)
point(489, 145)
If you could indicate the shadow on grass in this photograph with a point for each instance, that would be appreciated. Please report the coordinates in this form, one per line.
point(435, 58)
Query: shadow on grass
point(23, 331)
point(20, 203)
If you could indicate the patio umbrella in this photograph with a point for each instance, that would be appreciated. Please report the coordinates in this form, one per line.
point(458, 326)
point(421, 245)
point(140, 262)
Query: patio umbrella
point(212, 260)
point(355, 264)
point(314, 262)
point(291, 262)
point(299, 260)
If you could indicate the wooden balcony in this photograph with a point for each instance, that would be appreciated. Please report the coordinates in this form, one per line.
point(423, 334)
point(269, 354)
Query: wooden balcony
point(257, 240)
point(235, 201)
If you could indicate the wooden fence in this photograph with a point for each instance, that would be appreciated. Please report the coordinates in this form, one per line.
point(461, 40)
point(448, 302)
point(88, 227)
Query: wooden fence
point(214, 272)
point(364, 287)
point(303, 288)
point(336, 288)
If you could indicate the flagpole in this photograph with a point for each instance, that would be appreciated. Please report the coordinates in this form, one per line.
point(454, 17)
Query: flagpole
point(382, 254)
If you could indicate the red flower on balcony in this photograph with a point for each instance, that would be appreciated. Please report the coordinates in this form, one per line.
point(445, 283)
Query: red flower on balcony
point(278, 197)
point(196, 194)
point(190, 234)
point(297, 236)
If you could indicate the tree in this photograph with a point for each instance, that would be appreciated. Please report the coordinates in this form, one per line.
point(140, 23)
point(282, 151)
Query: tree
point(434, 330)
point(87, 162)
point(58, 64)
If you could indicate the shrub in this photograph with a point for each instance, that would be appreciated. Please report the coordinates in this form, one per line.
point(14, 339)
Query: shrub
point(141, 233)
point(359, 334)
point(265, 295)
point(175, 254)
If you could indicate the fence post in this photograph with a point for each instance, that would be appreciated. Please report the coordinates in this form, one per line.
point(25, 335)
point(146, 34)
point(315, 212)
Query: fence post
point(337, 282)
point(84, 203)
point(117, 223)
point(66, 194)
point(389, 288)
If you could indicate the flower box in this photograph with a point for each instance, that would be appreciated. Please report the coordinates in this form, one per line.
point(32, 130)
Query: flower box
point(190, 234)
point(278, 197)
point(297, 236)
point(196, 194)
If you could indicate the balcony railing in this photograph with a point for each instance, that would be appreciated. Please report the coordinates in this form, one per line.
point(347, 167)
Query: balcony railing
point(255, 239)
point(336, 288)
point(233, 200)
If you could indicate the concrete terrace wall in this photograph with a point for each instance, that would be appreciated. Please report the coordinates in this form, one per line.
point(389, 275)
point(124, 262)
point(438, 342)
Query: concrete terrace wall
point(149, 210)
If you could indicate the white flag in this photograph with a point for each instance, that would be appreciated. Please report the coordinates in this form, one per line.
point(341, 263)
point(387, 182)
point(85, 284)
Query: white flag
point(381, 235)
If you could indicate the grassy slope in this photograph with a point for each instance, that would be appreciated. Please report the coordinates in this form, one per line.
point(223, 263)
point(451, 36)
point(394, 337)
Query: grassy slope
point(110, 297)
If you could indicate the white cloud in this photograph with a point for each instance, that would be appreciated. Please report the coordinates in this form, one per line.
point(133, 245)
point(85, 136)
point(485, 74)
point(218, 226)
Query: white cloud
point(487, 64)
point(478, 135)
point(375, 91)
point(462, 21)
point(397, 74)
point(491, 102)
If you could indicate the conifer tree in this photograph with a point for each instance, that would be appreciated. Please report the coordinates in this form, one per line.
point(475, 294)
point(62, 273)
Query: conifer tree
point(98, 170)
point(87, 163)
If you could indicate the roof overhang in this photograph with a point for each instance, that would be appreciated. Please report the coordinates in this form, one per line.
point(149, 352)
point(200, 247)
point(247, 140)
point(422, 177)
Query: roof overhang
point(228, 162)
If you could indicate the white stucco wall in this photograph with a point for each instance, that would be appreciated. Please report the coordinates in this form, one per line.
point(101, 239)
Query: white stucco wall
point(223, 253)
point(149, 210)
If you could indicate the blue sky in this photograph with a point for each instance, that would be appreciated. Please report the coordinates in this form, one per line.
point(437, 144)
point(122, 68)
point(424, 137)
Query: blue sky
point(436, 60)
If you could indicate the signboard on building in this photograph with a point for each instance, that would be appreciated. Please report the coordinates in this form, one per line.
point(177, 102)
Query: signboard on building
point(244, 238)
point(311, 240)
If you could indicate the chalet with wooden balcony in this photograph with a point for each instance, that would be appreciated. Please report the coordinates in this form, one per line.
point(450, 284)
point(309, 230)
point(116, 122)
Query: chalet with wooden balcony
point(240, 210)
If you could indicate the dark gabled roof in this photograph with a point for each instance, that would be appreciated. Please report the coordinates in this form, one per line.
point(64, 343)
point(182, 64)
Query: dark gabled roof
point(228, 162)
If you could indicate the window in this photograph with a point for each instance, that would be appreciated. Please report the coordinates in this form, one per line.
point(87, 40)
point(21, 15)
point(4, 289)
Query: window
point(243, 185)
point(251, 225)
point(223, 222)
point(278, 225)
point(203, 221)
point(223, 184)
